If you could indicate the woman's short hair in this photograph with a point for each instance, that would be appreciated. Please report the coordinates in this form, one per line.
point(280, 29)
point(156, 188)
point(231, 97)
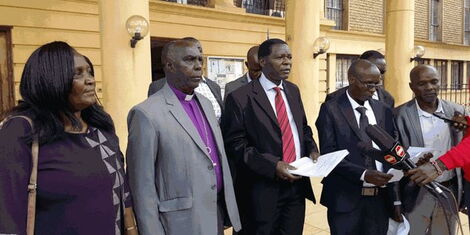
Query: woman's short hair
point(45, 86)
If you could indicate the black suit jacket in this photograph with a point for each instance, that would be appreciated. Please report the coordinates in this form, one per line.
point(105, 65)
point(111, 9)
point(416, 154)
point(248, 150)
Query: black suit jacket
point(253, 143)
point(338, 129)
point(384, 96)
point(213, 86)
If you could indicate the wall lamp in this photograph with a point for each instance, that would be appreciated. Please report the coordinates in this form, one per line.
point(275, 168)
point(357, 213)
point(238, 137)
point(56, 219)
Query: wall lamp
point(418, 52)
point(321, 45)
point(138, 28)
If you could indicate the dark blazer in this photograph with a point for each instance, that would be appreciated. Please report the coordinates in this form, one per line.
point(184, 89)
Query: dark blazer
point(213, 86)
point(337, 130)
point(384, 96)
point(235, 84)
point(253, 143)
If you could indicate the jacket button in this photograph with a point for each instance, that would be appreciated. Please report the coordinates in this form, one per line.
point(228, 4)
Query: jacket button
point(213, 187)
point(210, 167)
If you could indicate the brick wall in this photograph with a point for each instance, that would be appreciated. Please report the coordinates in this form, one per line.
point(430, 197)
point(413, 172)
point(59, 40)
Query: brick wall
point(452, 30)
point(422, 19)
point(366, 15)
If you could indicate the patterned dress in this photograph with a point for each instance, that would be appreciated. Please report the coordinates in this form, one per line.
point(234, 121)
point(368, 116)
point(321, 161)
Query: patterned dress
point(82, 187)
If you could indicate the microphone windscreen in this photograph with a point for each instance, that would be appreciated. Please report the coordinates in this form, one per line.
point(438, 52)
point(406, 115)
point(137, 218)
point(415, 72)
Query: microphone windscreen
point(380, 137)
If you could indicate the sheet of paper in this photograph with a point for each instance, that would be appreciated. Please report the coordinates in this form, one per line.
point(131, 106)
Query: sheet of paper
point(324, 165)
point(415, 154)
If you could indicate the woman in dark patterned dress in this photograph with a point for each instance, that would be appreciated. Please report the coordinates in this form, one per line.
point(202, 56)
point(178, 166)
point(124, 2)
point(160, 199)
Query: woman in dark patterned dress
point(82, 187)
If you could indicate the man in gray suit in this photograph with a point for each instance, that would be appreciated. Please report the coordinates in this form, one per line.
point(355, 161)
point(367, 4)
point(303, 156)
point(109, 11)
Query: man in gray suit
point(207, 87)
point(254, 71)
point(419, 126)
point(178, 170)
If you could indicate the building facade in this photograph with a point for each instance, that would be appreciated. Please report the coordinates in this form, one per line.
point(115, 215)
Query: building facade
point(226, 29)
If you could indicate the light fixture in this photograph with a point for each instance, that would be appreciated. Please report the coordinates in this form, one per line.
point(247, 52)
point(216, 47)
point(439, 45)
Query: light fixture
point(138, 28)
point(418, 52)
point(321, 45)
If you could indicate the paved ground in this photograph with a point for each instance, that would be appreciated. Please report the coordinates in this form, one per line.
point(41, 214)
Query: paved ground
point(317, 224)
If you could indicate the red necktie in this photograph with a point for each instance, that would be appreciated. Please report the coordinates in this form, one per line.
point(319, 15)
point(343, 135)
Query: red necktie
point(288, 146)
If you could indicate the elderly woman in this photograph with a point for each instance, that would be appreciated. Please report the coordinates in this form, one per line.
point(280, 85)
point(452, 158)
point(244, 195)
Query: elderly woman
point(82, 186)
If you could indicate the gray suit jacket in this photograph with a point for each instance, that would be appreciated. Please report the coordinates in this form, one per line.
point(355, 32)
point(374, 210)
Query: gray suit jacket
point(410, 134)
point(170, 173)
point(235, 84)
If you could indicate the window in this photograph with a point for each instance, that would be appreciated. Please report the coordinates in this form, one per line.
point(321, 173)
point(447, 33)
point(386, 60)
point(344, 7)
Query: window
point(342, 65)
point(441, 67)
point(435, 20)
point(467, 22)
point(456, 75)
point(190, 2)
point(422, 61)
point(334, 11)
point(263, 7)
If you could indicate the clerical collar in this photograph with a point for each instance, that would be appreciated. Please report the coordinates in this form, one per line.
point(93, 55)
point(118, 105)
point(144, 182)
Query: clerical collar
point(181, 95)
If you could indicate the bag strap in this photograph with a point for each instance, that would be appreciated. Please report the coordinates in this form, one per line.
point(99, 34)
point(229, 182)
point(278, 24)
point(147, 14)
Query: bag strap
point(32, 186)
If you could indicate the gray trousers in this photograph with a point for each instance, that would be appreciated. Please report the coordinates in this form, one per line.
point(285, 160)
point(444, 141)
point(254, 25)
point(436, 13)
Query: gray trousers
point(428, 216)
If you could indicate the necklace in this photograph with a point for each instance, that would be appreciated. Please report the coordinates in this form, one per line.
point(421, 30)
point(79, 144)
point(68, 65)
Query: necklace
point(209, 150)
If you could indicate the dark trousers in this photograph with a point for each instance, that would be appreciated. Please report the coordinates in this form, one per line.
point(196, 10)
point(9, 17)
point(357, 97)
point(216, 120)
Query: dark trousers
point(369, 217)
point(466, 189)
point(286, 218)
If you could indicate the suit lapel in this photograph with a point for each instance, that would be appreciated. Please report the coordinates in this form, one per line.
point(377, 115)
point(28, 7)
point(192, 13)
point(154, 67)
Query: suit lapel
point(214, 91)
point(213, 123)
point(413, 117)
point(262, 99)
point(378, 113)
point(348, 113)
point(177, 110)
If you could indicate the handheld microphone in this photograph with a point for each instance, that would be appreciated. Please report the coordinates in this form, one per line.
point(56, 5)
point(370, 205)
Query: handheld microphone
point(395, 153)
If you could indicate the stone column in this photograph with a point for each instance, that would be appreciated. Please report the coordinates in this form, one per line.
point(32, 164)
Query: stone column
point(302, 28)
point(126, 71)
point(399, 43)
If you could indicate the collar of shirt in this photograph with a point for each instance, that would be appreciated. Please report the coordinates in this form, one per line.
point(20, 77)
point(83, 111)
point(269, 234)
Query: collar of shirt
point(354, 104)
point(248, 78)
point(422, 113)
point(375, 96)
point(181, 95)
point(268, 85)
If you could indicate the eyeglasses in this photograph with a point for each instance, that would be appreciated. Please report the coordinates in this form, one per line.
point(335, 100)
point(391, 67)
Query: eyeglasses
point(369, 85)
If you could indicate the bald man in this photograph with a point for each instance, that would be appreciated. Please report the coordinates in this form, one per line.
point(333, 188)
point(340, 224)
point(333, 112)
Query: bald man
point(353, 192)
point(418, 127)
point(178, 170)
point(254, 71)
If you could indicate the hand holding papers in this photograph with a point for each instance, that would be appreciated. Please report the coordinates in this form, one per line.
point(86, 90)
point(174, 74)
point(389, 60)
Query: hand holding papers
point(324, 165)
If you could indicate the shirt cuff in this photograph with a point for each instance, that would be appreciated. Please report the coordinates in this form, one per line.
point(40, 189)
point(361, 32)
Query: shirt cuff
point(363, 175)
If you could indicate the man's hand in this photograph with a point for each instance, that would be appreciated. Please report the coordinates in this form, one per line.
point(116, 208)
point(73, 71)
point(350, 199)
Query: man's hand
point(377, 178)
point(282, 173)
point(423, 174)
point(397, 214)
point(314, 156)
point(424, 159)
point(460, 121)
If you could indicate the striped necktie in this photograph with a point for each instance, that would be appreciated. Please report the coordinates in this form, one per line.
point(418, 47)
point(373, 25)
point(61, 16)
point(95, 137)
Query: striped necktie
point(288, 146)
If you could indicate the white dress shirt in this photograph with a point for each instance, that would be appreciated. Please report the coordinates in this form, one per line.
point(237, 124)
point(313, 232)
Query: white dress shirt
point(436, 135)
point(248, 78)
point(371, 116)
point(268, 87)
point(204, 89)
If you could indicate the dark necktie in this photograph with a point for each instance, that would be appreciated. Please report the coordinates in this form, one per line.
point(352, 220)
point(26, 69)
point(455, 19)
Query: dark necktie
point(363, 123)
point(288, 146)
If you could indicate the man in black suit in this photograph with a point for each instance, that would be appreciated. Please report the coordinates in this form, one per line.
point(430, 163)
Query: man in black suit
point(352, 192)
point(254, 71)
point(381, 94)
point(207, 87)
point(265, 128)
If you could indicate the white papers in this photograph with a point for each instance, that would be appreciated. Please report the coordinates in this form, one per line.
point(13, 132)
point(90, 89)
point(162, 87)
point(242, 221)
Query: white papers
point(324, 165)
point(415, 154)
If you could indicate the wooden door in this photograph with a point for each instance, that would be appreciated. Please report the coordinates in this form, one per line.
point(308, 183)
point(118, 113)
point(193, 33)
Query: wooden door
point(7, 92)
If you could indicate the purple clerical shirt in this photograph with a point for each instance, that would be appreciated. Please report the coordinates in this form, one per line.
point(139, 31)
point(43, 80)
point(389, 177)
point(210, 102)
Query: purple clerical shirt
point(192, 107)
